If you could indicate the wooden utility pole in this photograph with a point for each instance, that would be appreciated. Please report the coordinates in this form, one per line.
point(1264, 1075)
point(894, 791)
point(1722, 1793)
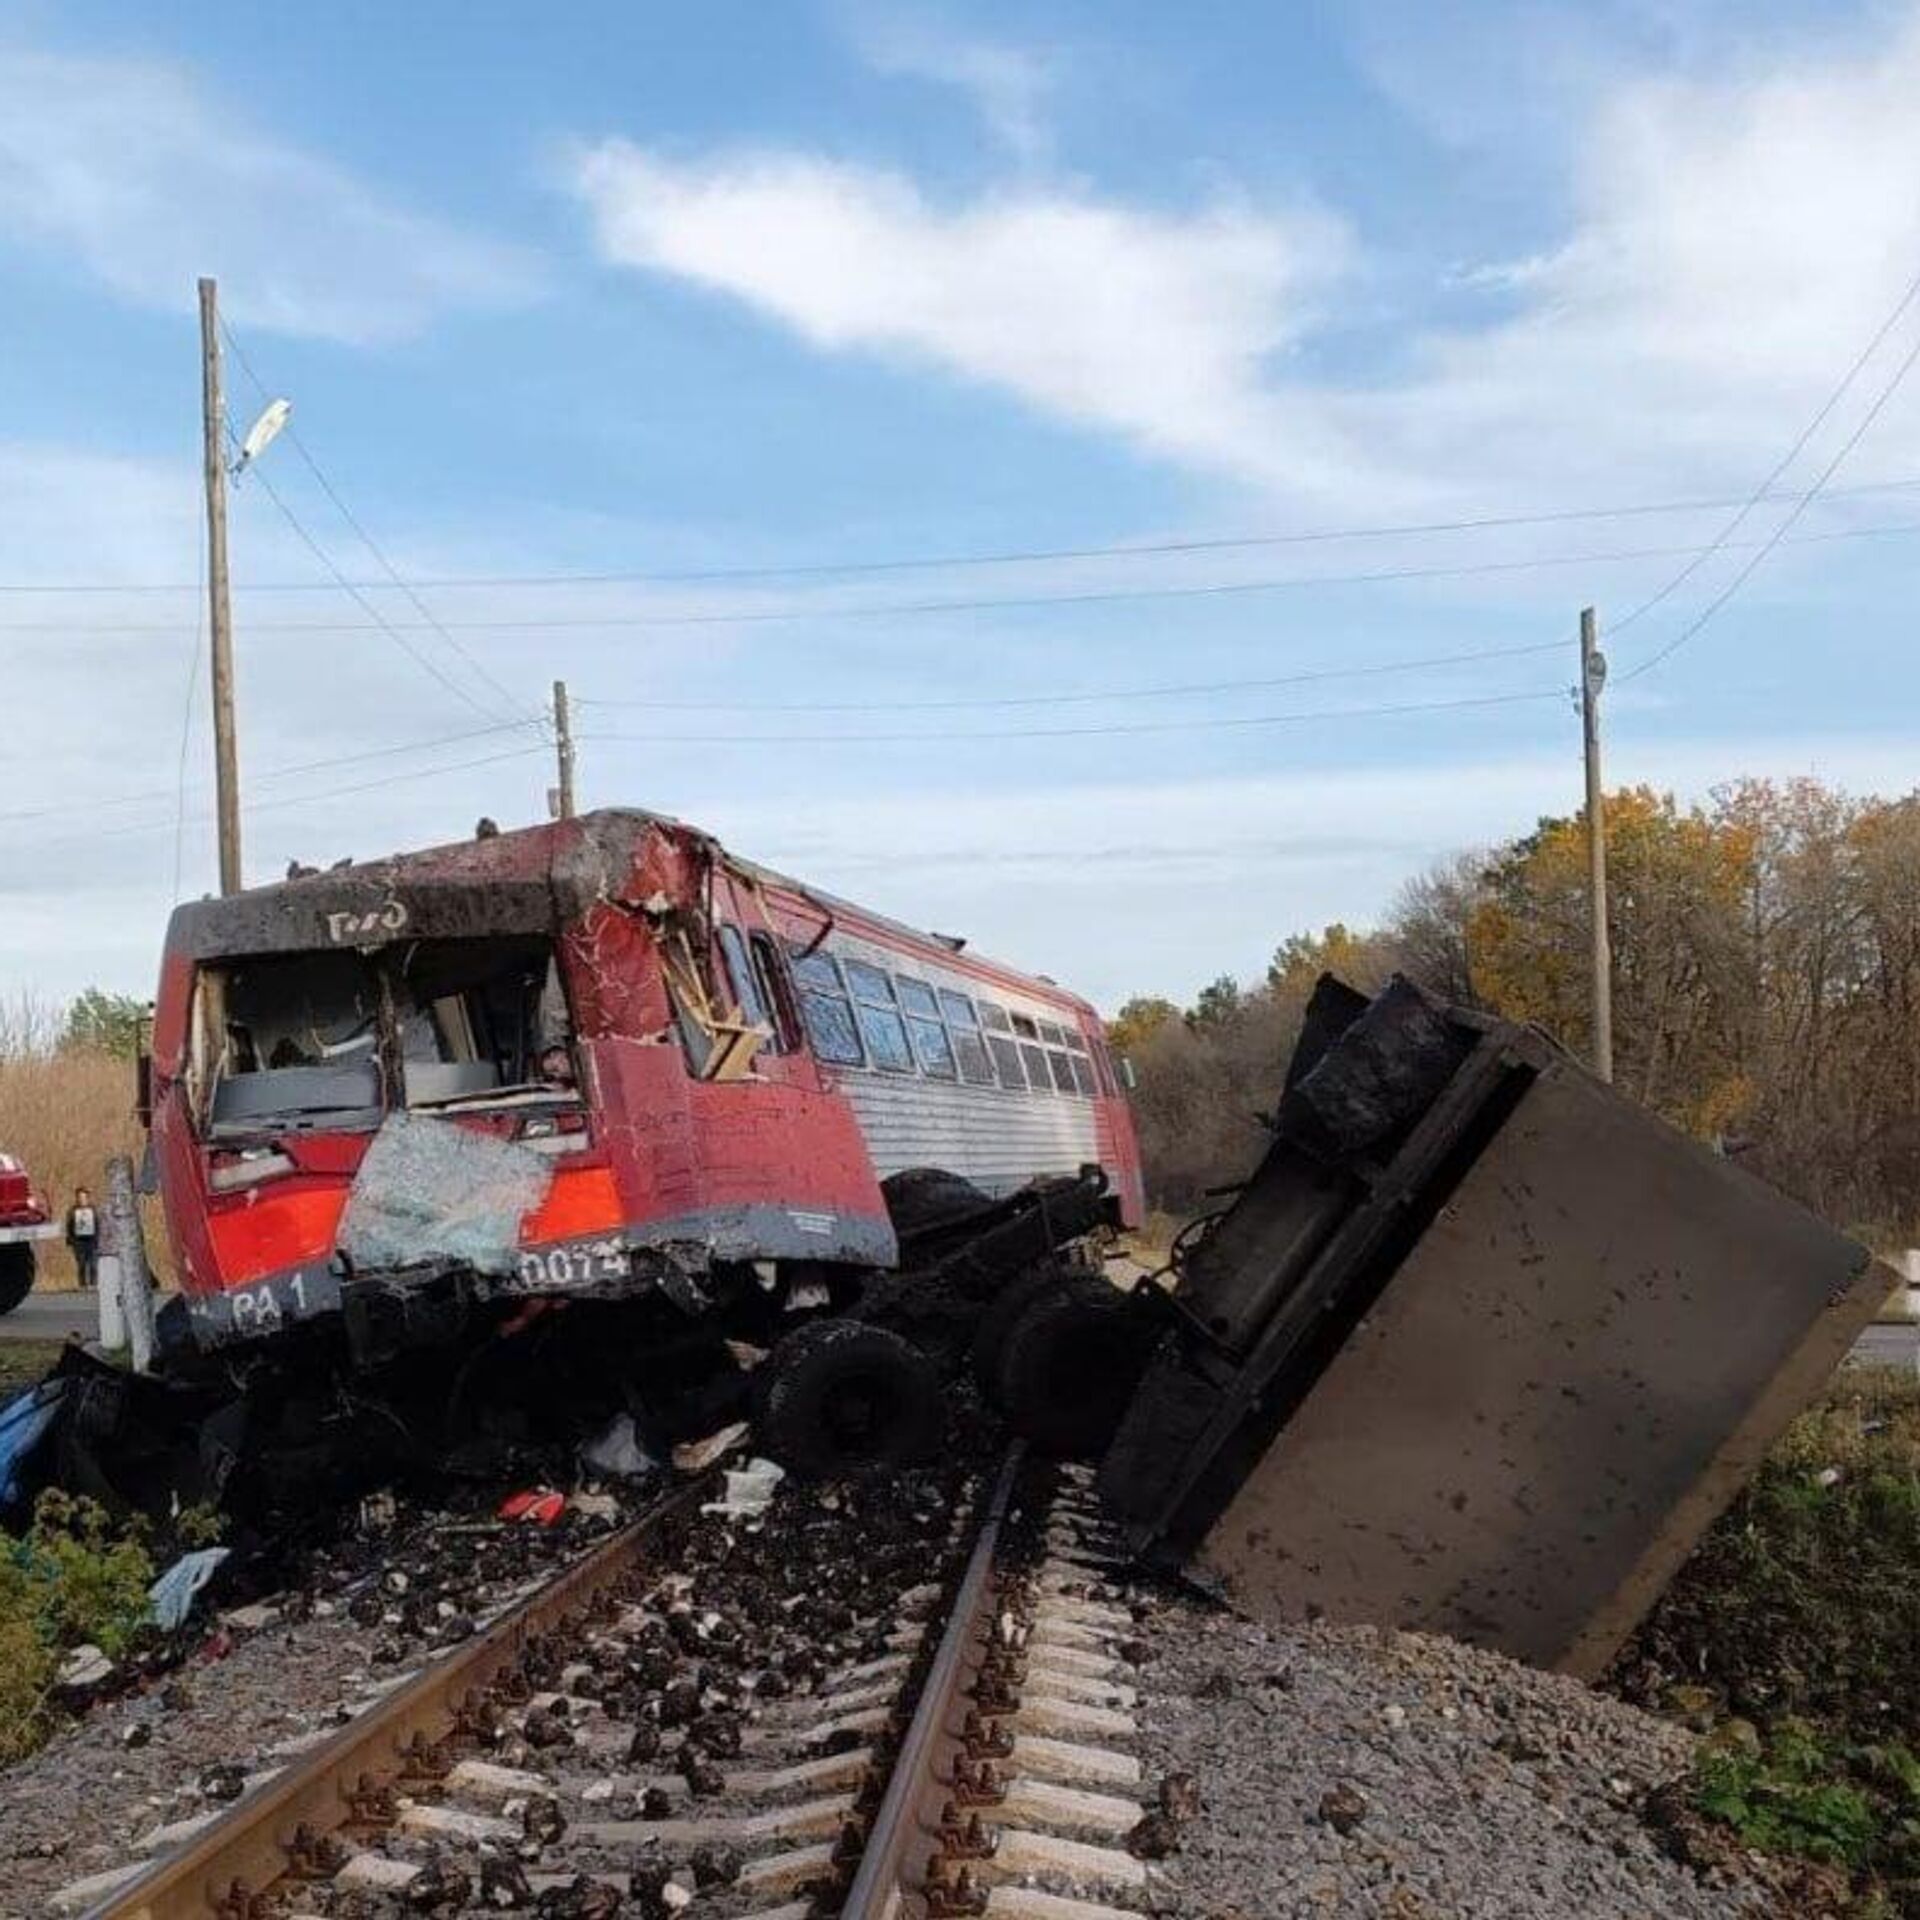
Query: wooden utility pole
point(226, 757)
point(563, 747)
point(1593, 676)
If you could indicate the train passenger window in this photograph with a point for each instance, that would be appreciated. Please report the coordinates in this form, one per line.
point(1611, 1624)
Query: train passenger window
point(1062, 1071)
point(976, 1064)
point(774, 991)
point(1052, 1035)
point(931, 1045)
point(1006, 1056)
point(935, 1048)
point(1083, 1074)
point(1025, 1027)
point(916, 997)
point(1038, 1075)
point(880, 1024)
point(744, 980)
point(1103, 1068)
point(827, 1011)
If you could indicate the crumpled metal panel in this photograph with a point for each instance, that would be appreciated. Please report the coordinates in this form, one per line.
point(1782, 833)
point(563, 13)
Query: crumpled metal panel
point(432, 1193)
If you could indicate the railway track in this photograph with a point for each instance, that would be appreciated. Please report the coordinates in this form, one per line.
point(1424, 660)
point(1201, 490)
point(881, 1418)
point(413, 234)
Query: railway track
point(864, 1703)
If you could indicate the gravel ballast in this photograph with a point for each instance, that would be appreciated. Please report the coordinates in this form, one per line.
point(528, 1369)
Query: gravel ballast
point(1348, 1771)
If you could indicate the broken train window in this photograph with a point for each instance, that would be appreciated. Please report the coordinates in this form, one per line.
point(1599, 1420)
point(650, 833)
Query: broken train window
point(880, 1024)
point(287, 1039)
point(827, 1011)
point(480, 1020)
point(931, 1041)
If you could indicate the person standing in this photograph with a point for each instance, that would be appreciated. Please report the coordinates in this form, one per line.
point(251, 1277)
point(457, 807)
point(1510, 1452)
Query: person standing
point(83, 1237)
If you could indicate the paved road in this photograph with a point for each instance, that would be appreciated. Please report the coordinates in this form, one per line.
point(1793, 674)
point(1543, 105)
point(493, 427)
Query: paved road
point(1892, 1346)
point(51, 1316)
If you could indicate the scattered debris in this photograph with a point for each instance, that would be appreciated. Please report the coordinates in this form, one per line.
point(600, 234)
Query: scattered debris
point(534, 1506)
point(174, 1593)
point(696, 1456)
point(617, 1453)
point(1343, 1807)
point(749, 1490)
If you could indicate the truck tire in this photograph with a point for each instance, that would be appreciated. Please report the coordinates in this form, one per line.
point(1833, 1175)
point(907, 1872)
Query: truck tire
point(930, 1199)
point(837, 1400)
point(16, 1275)
point(1069, 1364)
point(1003, 1312)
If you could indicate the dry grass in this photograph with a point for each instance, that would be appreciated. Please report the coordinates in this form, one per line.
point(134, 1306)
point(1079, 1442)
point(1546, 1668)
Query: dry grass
point(64, 1114)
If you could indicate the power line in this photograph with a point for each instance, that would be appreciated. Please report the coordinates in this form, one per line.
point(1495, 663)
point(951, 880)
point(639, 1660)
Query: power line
point(346, 513)
point(1119, 550)
point(281, 773)
point(422, 660)
point(1079, 733)
point(756, 616)
point(1087, 698)
point(1765, 490)
point(297, 799)
point(1746, 573)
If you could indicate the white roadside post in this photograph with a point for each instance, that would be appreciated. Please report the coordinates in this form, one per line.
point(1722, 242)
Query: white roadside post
point(126, 1283)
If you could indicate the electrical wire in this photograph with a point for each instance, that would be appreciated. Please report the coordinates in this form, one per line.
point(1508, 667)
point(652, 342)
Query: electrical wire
point(1218, 723)
point(756, 616)
point(252, 807)
point(1087, 698)
point(1765, 489)
point(424, 661)
point(513, 703)
point(1747, 572)
point(1120, 550)
point(280, 773)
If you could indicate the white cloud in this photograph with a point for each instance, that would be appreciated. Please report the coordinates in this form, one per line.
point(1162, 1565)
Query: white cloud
point(147, 181)
point(1158, 325)
point(1731, 242)
point(1008, 85)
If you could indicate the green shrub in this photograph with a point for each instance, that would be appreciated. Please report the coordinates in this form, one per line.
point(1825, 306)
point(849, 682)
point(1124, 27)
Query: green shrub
point(1799, 1615)
point(72, 1578)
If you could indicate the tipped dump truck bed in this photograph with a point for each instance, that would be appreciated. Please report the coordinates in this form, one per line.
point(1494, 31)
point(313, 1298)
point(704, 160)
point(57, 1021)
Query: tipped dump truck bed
point(1482, 1347)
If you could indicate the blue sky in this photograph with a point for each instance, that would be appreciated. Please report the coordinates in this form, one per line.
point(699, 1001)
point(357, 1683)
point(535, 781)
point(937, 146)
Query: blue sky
point(617, 291)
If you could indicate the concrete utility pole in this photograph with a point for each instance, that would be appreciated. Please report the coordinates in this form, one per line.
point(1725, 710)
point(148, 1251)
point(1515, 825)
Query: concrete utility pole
point(563, 747)
point(1593, 676)
point(226, 757)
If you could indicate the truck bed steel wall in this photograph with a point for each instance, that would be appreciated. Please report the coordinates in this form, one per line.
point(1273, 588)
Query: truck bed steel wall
point(1565, 1380)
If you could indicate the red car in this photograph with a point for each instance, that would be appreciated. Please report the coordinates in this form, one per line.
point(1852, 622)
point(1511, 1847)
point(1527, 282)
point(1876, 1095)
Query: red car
point(24, 1218)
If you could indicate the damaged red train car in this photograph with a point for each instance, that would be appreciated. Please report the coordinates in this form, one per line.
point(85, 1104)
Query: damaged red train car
point(405, 1104)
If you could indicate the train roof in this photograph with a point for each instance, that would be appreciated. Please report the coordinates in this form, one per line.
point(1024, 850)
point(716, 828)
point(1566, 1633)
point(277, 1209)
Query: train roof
point(520, 880)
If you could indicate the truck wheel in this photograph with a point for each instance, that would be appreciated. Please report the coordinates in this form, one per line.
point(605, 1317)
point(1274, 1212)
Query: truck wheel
point(928, 1199)
point(1003, 1313)
point(837, 1399)
point(16, 1276)
point(1069, 1364)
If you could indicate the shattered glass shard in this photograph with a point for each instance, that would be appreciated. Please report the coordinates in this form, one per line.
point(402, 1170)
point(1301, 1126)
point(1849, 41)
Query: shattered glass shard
point(432, 1192)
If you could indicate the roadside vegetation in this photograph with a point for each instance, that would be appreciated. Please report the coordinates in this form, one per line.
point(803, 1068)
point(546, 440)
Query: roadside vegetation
point(1766, 970)
point(73, 1579)
point(1792, 1637)
point(66, 1103)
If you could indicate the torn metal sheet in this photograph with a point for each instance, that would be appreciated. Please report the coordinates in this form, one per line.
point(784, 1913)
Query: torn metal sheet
point(432, 1193)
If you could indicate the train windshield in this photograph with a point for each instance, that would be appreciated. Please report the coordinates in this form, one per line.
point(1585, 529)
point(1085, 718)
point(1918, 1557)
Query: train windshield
point(328, 1040)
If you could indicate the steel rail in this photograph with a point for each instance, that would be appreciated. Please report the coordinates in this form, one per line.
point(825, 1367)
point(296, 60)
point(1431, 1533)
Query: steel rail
point(285, 1827)
point(906, 1837)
